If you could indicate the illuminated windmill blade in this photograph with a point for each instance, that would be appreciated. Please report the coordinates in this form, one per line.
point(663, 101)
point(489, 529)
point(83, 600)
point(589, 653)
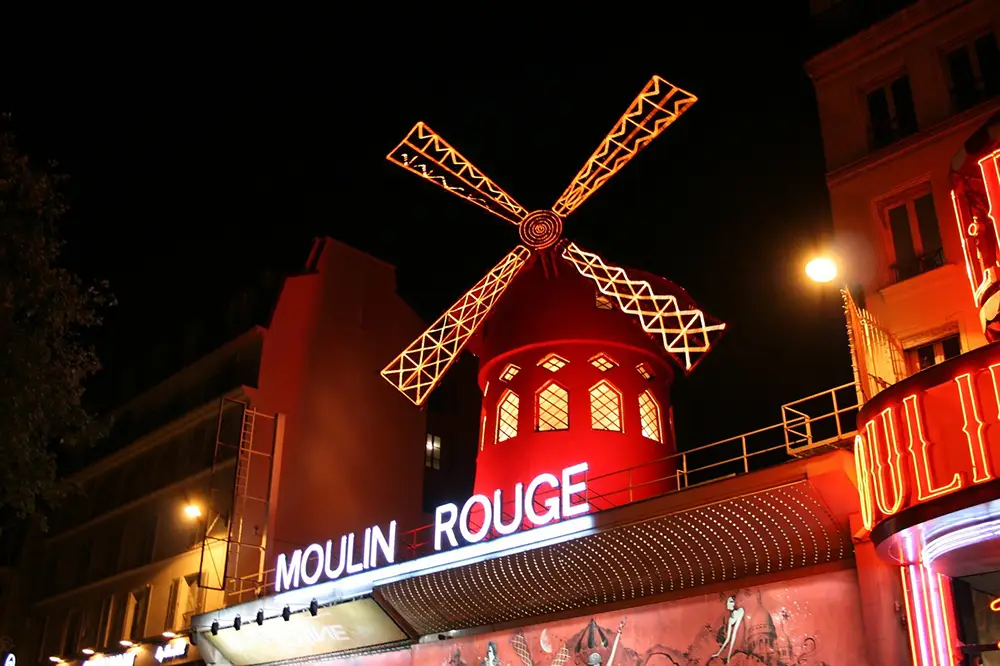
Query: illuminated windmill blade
point(421, 366)
point(686, 333)
point(657, 106)
point(429, 156)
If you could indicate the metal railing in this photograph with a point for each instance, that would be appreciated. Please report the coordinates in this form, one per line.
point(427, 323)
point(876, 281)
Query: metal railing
point(810, 425)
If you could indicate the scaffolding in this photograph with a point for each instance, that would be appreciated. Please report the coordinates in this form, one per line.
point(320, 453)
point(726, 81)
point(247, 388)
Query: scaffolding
point(238, 496)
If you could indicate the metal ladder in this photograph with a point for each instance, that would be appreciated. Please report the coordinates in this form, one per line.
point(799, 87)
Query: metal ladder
point(243, 459)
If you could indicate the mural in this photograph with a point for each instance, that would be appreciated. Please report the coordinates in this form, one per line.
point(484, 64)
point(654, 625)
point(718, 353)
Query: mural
point(393, 658)
point(811, 621)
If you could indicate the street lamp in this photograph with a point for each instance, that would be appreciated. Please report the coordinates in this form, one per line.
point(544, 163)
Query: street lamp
point(192, 511)
point(821, 269)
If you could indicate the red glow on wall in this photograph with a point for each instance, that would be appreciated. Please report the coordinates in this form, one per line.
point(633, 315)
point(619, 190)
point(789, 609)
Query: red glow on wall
point(577, 394)
point(929, 436)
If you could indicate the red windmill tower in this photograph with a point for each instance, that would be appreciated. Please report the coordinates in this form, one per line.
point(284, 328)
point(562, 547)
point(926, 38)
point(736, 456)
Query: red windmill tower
point(576, 356)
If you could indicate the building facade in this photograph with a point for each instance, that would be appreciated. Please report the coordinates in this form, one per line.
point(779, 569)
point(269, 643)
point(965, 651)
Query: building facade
point(177, 519)
point(121, 562)
point(908, 107)
point(897, 100)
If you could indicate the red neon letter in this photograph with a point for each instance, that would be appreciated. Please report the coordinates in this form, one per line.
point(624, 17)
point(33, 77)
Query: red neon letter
point(864, 481)
point(918, 455)
point(892, 465)
point(970, 413)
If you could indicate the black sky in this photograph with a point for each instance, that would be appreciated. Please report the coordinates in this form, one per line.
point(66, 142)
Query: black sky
point(200, 154)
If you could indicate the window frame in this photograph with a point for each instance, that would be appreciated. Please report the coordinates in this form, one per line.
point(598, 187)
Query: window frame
point(499, 411)
point(538, 406)
point(133, 601)
point(936, 343)
point(657, 411)
point(621, 406)
point(967, 43)
point(906, 196)
point(432, 452)
point(885, 84)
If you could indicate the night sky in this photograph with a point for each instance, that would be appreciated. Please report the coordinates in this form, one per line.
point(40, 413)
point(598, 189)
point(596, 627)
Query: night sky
point(201, 155)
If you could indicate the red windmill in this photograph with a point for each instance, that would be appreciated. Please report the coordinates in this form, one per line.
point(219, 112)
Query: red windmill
point(577, 358)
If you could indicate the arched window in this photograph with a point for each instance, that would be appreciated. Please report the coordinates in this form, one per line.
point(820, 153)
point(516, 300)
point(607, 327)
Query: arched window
point(605, 407)
point(552, 408)
point(649, 417)
point(507, 416)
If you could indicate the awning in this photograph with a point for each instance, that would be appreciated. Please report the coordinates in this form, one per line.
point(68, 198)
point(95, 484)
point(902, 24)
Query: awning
point(777, 520)
point(778, 529)
point(341, 628)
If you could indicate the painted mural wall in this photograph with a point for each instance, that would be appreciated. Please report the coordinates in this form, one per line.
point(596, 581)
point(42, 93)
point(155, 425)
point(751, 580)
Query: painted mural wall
point(813, 621)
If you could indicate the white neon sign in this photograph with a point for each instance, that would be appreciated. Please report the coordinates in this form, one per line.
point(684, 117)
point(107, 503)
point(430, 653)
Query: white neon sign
point(171, 650)
point(556, 508)
point(10, 660)
point(307, 566)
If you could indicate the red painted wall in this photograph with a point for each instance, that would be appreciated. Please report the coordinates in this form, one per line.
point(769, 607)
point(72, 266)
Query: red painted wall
point(352, 451)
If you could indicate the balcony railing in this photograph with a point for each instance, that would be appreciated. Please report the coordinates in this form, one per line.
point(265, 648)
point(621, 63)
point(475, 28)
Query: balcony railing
point(811, 425)
point(922, 264)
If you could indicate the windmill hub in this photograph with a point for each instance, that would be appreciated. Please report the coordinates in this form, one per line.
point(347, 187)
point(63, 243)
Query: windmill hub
point(541, 229)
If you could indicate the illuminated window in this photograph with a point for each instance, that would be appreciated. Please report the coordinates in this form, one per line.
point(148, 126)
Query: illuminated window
point(432, 456)
point(605, 407)
point(553, 362)
point(604, 302)
point(649, 417)
point(482, 431)
point(644, 370)
point(507, 416)
point(552, 408)
point(509, 372)
point(602, 362)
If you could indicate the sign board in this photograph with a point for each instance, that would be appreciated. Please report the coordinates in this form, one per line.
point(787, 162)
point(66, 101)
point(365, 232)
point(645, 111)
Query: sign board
point(547, 498)
point(178, 647)
point(354, 624)
point(930, 435)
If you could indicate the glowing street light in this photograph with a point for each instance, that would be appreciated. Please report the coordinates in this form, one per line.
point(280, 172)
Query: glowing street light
point(821, 269)
point(192, 511)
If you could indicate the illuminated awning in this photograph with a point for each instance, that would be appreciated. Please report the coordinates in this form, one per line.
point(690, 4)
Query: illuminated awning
point(765, 532)
point(341, 628)
point(776, 520)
